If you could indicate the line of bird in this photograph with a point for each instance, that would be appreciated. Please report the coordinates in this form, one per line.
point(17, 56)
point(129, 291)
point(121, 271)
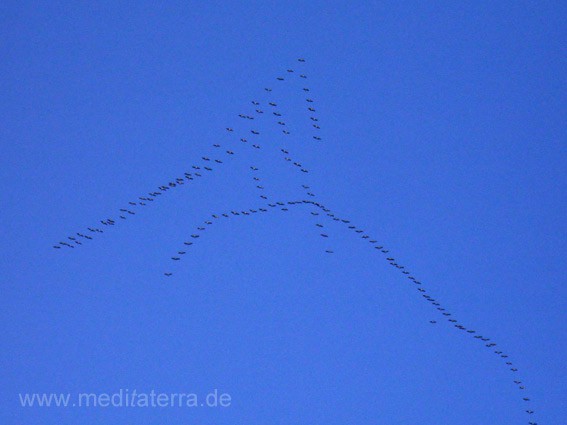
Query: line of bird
point(315, 208)
point(273, 106)
point(198, 170)
point(443, 313)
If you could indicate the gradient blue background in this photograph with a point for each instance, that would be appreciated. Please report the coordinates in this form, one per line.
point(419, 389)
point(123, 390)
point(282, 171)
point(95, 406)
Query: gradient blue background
point(444, 126)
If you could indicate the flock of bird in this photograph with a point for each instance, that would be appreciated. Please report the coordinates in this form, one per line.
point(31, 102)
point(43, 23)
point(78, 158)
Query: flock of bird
point(253, 139)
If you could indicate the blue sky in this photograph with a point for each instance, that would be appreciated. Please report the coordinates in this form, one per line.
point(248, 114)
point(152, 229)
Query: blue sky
point(443, 138)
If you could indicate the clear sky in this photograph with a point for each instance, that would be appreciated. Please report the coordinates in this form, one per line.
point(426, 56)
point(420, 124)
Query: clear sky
point(443, 138)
